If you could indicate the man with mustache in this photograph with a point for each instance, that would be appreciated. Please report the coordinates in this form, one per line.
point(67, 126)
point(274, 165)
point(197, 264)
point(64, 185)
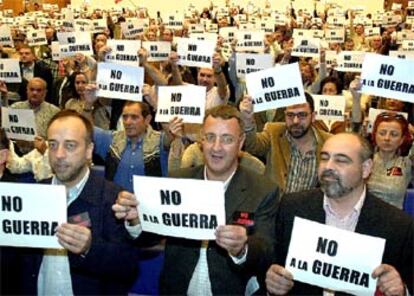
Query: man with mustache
point(344, 202)
point(291, 149)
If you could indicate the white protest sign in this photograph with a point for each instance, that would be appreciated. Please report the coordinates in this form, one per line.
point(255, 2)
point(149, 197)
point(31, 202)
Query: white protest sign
point(83, 25)
point(373, 113)
point(315, 247)
point(350, 61)
point(19, 124)
point(175, 21)
point(330, 58)
point(335, 35)
point(119, 81)
point(405, 35)
point(99, 25)
point(185, 208)
point(195, 53)
point(10, 71)
point(250, 41)
point(276, 87)
point(305, 34)
point(407, 45)
point(204, 36)
point(72, 43)
point(29, 217)
point(329, 107)
point(402, 54)
point(306, 47)
point(133, 28)
point(187, 102)
point(123, 52)
point(5, 36)
point(55, 47)
point(388, 77)
point(250, 62)
point(371, 31)
point(336, 20)
point(157, 50)
point(36, 37)
point(196, 28)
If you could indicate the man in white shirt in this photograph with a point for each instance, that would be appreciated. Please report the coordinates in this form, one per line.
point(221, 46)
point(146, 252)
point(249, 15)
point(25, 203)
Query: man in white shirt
point(225, 265)
point(344, 202)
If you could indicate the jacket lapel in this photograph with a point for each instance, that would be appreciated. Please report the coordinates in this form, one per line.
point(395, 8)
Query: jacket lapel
point(236, 193)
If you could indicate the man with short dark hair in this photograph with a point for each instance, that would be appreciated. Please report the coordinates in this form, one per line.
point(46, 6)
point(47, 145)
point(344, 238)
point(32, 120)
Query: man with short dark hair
point(97, 258)
point(344, 202)
point(222, 266)
point(291, 148)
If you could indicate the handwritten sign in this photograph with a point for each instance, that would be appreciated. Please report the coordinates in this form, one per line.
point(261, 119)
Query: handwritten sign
point(332, 258)
point(180, 207)
point(72, 43)
point(187, 102)
point(195, 53)
point(123, 52)
point(249, 62)
point(10, 71)
point(119, 81)
point(350, 61)
point(329, 107)
point(29, 217)
point(388, 77)
point(276, 87)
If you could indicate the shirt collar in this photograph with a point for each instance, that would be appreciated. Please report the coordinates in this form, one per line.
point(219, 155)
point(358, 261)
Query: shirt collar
point(327, 206)
point(73, 193)
point(226, 183)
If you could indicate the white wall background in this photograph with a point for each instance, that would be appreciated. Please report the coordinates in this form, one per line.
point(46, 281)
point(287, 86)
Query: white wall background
point(170, 6)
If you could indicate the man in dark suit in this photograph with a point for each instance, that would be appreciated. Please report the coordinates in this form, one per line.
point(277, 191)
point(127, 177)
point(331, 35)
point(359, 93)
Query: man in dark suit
point(31, 68)
point(226, 264)
point(97, 257)
point(344, 202)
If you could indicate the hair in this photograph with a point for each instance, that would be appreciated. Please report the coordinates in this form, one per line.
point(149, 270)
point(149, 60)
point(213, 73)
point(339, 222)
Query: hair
point(42, 81)
point(4, 141)
point(309, 100)
point(367, 152)
point(225, 112)
point(24, 45)
point(334, 80)
point(72, 113)
point(72, 79)
point(405, 132)
point(145, 108)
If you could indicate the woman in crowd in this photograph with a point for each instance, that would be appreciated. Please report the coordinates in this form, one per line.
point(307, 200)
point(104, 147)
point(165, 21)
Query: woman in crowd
point(392, 172)
point(96, 112)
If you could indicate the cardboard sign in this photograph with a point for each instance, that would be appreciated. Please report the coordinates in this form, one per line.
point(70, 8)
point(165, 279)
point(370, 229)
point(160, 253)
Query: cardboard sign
point(5, 36)
point(335, 35)
point(19, 124)
point(185, 208)
point(332, 258)
point(123, 52)
point(276, 87)
point(36, 37)
point(250, 41)
point(10, 71)
point(133, 28)
point(331, 108)
point(306, 47)
point(187, 102)
point(402, 54)
point(350, 61)
point(29, 217)
point(119, 81)
point(249, 62)
point(373, 113)
point(388, 77)
point(195, 53)
point(72, 43)
point(157, 50)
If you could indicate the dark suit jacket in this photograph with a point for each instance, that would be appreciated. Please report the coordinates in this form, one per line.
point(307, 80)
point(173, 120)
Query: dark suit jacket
point(247, 192)
point(41, 70)
point(377, 218)
point(110, 265)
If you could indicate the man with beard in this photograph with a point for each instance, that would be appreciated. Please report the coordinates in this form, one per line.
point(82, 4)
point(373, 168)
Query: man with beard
point(96, 258)
point(344, 202)
point(291, 148)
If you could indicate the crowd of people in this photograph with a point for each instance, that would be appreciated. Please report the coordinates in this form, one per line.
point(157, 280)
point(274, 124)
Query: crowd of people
point(275, 165)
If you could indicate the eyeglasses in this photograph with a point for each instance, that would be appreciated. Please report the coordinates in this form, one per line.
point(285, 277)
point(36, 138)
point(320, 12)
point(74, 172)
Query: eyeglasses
point(224, 139)
point(300, 115)
point(389, 115)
